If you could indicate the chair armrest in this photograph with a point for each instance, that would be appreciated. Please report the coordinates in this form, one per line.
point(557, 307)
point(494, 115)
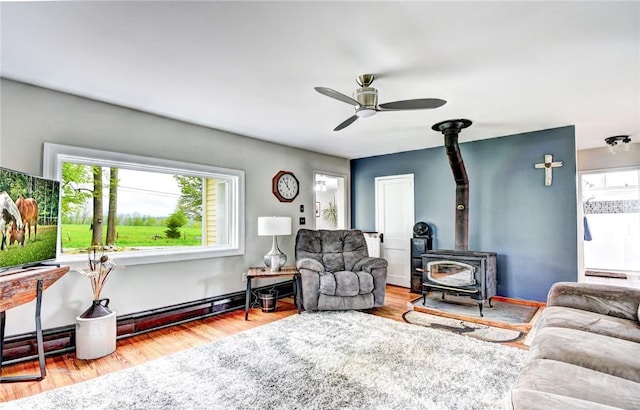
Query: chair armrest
point(377, 267)
point(370, 263)
point(616, 301)
point(310, 264)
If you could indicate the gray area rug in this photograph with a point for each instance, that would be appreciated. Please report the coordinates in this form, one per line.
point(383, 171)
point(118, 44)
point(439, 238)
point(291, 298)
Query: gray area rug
point(460, 305)
point(463, 327)
point(333, 360)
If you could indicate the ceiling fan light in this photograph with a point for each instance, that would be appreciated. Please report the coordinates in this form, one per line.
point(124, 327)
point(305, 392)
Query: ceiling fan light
point(365, 112)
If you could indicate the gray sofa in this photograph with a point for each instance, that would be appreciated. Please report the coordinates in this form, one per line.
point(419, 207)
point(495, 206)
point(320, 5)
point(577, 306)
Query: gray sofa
point(585, 351)
point(337, 272)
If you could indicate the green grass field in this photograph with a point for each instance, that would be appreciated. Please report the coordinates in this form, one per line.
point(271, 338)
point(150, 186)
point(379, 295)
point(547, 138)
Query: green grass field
point(79, 236)
point(40, 247)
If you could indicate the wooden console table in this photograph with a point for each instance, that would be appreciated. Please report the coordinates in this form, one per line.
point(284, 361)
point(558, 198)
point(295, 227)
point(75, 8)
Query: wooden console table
point(265, 272)
point(18, 287)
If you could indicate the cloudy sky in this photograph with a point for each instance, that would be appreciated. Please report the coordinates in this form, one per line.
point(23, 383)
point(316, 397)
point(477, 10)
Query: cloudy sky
point(146, 193)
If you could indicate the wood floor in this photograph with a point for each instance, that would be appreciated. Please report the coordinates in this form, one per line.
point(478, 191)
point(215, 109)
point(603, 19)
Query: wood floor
point(65, 369)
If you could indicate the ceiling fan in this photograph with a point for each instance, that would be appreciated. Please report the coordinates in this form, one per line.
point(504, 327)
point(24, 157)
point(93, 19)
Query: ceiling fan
point(365, 101)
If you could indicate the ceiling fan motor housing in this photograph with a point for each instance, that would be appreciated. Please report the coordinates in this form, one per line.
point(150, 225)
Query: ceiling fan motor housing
point(367, 97)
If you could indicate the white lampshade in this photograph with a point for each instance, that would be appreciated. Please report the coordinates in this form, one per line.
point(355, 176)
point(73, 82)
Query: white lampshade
point(274, 225)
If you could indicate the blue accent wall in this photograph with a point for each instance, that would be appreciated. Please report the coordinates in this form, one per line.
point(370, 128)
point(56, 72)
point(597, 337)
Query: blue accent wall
point(532, 227)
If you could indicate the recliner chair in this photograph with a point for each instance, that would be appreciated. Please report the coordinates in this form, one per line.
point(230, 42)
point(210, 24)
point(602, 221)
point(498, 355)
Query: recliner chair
point(337, 272)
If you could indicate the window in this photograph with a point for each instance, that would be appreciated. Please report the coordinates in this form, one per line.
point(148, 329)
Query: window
point(611, 203)
point(148, 210)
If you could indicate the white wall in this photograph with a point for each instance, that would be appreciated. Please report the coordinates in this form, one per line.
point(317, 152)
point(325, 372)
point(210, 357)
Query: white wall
point(600, 158)
point(31, 116)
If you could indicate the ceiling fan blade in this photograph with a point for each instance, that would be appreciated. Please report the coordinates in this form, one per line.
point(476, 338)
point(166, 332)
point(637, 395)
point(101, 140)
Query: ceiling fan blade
point(346, 123)
point(419, 104)
point(338, 96)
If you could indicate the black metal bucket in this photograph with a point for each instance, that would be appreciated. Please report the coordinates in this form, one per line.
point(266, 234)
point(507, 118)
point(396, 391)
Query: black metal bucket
point(268, 300)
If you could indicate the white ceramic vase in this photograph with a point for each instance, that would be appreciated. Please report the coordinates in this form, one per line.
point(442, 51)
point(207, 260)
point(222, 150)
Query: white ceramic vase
point(96, 331)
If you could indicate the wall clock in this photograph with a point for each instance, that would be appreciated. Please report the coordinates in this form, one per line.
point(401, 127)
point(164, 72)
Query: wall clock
point(285, 186)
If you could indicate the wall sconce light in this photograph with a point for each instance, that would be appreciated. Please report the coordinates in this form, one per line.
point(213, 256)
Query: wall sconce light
point(618, 143)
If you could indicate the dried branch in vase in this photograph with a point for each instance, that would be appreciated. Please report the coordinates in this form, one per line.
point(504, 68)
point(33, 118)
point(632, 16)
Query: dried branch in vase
point(100, 266)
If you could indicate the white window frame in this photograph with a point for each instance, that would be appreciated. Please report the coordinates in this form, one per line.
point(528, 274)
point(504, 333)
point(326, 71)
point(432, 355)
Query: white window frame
point(582, 268)
point(55, 155)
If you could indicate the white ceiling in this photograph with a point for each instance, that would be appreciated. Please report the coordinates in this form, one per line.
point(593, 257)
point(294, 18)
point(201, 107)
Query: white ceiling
point(250, 67)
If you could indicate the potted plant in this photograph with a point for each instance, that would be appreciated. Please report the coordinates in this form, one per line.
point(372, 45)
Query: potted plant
point(330, 213)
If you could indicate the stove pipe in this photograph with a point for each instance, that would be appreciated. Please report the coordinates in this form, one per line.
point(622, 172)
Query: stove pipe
point(451, 129)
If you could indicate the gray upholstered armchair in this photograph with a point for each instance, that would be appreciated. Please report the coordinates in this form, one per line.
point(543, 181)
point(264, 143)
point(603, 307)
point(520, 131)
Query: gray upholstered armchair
point(337, 272)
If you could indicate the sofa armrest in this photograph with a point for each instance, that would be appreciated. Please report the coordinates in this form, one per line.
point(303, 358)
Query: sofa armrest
point(369, 263)
point(616, 301)
point(309, 264)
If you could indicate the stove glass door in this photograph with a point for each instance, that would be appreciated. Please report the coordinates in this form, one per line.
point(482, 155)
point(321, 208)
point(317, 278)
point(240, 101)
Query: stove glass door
point(451, 273)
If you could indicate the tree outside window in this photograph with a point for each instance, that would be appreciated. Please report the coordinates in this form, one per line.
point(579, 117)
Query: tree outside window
point(131, 210)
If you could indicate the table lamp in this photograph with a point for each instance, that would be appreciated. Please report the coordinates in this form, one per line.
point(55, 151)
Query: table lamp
point(274, 226)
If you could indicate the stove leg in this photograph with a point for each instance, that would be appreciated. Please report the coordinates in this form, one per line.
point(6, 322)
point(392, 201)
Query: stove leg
point(490, 305)
point(480, 307)
point(442, 295)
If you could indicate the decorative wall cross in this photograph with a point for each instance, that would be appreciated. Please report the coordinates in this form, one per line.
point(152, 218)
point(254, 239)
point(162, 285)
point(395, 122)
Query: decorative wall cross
point(548, 166)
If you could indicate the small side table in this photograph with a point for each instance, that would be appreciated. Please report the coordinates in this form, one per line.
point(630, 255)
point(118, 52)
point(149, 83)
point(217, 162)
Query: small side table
point(265, 272)
point(20, 287)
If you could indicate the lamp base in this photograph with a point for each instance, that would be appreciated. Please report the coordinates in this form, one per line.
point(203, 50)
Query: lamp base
point(275, 259)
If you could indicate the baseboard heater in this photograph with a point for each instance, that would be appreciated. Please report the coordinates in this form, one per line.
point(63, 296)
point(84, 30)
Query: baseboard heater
point(60, 340)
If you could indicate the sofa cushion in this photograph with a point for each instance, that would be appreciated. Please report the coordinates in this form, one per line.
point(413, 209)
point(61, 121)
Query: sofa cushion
point(346, 283)
point(553, 382)
point(609, 300)
point(617, 357)
point(337, 250)
point(525, 399)
point(327, 284)
point(558, 316)
point(365, 280)
point(326, 302)
point(333, 261)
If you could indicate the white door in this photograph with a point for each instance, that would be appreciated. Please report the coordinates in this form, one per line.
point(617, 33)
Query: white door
point(395, 219)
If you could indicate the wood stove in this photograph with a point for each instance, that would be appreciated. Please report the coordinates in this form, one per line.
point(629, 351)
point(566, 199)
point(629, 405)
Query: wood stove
point(460, 271)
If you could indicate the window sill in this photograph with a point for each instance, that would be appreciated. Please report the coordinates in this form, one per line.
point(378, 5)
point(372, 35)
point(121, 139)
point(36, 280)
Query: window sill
point(79, 261)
